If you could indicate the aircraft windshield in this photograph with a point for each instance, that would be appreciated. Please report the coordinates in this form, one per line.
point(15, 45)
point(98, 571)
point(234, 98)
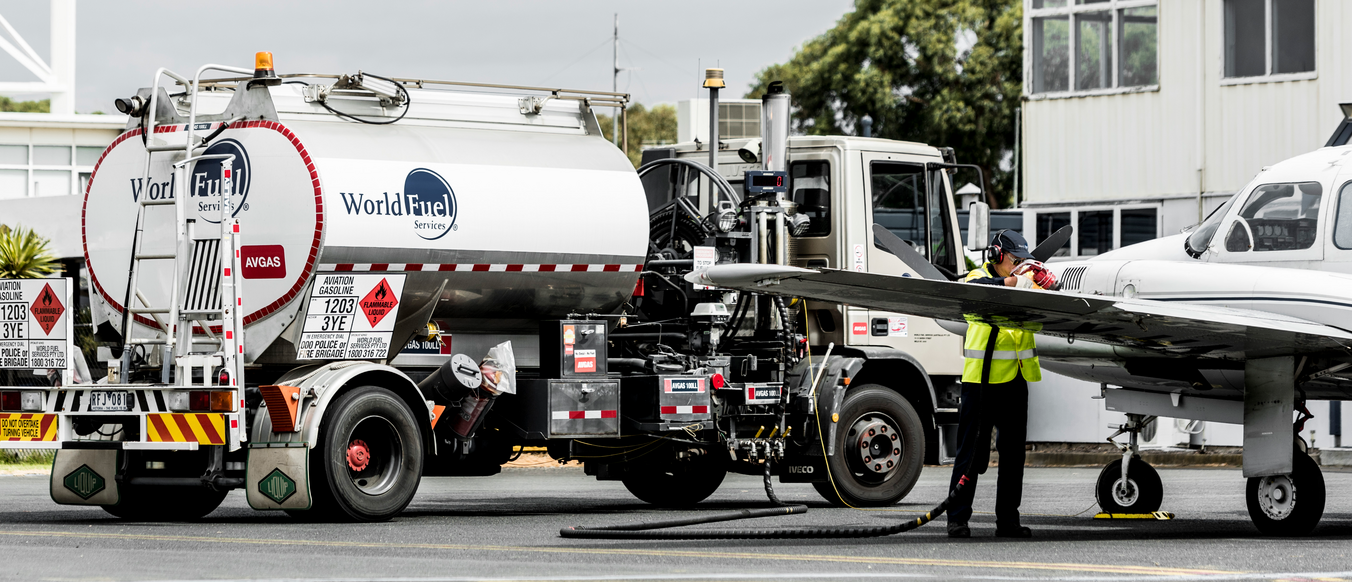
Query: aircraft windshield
point(1201, 238)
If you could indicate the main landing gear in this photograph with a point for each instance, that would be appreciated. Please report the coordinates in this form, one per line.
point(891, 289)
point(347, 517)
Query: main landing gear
point(1129, 485)
point(1279, 505)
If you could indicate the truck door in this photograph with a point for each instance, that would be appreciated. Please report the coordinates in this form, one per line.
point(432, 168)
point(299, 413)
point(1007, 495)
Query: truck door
point(909, 201)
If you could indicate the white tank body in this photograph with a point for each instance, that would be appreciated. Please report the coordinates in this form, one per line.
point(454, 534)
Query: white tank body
point(496, 219)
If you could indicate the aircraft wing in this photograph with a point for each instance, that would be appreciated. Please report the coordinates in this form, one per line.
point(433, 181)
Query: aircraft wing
point(1179, 329)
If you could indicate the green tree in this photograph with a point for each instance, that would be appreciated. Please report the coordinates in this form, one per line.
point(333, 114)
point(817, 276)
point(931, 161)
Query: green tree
point(10, 105)
point(647, 127)
point(24, 254)
point(943, 72)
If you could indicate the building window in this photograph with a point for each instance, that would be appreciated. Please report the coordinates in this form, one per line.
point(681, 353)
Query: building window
point(1050, 222)
point(1097, 229)
point(1139, 225)
point(1095, 232)
point(1114, 44)
point(739, 120)
point(45, 170)
point(1268, 37)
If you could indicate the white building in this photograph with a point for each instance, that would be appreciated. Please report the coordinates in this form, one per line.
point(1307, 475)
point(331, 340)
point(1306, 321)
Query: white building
point(1142, 115)
point(46, 160)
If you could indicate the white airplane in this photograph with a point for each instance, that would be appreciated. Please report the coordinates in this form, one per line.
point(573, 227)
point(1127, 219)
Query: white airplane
point(1242, 319)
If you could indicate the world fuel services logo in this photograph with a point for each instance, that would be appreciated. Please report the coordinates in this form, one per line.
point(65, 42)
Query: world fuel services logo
point(205, 184)
point(427, 204)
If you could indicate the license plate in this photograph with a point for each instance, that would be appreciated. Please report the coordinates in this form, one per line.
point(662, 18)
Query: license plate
point(104, 401)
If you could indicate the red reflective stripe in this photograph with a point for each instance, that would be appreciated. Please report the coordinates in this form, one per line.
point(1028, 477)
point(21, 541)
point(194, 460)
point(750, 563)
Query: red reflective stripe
point(700, 409)
point(446, 268)
point(611, 268)
point(343, 267)
point(608, 413)
point(380, 266)
point(577, 268)
point(514, 267)
point(160, 427)
point(184, 427)
point(205, 421)
point(547, 268)
point(482, 267)
point(576, 414)
point(668, 410)
point(413, 267)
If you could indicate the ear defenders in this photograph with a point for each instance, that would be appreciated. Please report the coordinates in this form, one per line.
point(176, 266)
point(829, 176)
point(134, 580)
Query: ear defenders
point(996, 253)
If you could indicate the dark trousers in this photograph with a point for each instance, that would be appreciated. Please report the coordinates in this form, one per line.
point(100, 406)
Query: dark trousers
point(1005, 408)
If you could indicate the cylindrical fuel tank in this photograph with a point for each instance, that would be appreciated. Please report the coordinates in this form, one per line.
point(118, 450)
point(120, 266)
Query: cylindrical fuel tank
point(493, 217)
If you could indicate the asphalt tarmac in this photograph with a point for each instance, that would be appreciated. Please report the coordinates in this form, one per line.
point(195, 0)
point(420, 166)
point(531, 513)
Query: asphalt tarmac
point(505, 527)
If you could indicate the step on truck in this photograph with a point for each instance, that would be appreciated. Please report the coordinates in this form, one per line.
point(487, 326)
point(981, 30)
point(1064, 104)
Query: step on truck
point(319, 288)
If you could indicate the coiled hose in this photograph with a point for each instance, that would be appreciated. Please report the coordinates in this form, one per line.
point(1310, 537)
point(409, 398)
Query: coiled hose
point(659, 530)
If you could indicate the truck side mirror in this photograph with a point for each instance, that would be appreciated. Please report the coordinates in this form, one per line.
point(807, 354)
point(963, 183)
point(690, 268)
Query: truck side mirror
point(978, 225)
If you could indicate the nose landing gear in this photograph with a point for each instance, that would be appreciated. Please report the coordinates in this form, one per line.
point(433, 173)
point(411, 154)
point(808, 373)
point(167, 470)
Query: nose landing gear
point(1130, 485)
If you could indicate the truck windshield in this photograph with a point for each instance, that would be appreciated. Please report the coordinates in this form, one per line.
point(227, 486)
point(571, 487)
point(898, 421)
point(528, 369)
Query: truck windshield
point(1200, 239)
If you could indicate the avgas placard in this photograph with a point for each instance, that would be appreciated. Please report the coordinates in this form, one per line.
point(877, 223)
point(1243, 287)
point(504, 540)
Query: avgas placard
point(351, 316)
point(35, 323)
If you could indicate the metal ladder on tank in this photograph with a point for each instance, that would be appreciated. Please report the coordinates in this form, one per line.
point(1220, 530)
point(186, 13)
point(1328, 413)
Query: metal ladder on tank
point(197, 264)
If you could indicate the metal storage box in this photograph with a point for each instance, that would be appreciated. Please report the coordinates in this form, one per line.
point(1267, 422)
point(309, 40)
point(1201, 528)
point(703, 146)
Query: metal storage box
point(572, 408)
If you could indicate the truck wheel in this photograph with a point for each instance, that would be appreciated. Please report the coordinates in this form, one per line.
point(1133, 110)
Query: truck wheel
point(368, 462)
point(1287, 505)
point(879, 449)
point(152, 503)
point(1142, 492)
point(680, 483)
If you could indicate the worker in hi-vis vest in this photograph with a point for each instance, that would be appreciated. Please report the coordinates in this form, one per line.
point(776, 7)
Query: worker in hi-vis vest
point(999, 364)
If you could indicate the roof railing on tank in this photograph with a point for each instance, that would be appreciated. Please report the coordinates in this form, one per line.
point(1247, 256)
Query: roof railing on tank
point(595, 98)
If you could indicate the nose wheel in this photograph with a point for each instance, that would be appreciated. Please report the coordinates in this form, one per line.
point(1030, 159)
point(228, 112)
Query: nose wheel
point(1139, 490)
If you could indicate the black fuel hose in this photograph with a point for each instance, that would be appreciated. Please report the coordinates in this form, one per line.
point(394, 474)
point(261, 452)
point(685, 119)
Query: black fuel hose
point(645, 530)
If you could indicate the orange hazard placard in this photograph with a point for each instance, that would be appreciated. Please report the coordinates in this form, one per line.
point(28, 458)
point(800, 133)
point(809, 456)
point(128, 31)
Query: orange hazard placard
point(207, 429)
point(27, 427)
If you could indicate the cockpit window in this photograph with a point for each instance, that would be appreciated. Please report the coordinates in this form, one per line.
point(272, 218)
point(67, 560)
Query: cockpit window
point(1201, 238)
point(1283, 217)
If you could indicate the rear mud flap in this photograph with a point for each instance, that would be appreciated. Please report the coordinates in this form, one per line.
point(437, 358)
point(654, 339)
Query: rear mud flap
point(85, 477)
point(278, 476)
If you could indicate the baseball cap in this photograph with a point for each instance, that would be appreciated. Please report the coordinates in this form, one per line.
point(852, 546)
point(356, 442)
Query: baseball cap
point(1012, 243)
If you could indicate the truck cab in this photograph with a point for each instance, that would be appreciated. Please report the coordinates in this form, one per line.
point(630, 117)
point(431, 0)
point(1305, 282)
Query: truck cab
point(844, 185)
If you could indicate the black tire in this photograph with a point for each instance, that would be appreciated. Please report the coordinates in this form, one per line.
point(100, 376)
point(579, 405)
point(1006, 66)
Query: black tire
point(1142, 493)
point(155, 503)
point(874, 484)
point(679, 483)
point(374, 419)
point(1288, 505)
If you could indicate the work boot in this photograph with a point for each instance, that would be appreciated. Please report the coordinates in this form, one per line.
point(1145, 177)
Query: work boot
point(959, 530)
point(1013, 532)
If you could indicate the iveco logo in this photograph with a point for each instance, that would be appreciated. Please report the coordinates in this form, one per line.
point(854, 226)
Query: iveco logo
point(427, 202)
point(801, 469)
point(205, 183)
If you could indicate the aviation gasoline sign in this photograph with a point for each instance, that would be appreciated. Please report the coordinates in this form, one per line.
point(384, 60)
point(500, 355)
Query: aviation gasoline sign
point(34, 323)
point(351, 316)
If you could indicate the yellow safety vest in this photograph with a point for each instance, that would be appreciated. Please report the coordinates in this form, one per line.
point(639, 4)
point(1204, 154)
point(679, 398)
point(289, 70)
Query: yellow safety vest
point(996, 360)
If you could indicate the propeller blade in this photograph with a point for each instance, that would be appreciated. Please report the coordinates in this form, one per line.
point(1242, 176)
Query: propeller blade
point(1048, 247)
point(913, 260)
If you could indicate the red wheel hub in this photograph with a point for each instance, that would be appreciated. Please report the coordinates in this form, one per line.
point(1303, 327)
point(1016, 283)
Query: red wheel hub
point(358, 455)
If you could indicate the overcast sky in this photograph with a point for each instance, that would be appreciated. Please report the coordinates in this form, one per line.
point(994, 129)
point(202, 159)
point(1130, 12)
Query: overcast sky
point(557, 43)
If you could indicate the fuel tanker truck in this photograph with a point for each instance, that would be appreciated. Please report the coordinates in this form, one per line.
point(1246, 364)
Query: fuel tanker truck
point(320, 288)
